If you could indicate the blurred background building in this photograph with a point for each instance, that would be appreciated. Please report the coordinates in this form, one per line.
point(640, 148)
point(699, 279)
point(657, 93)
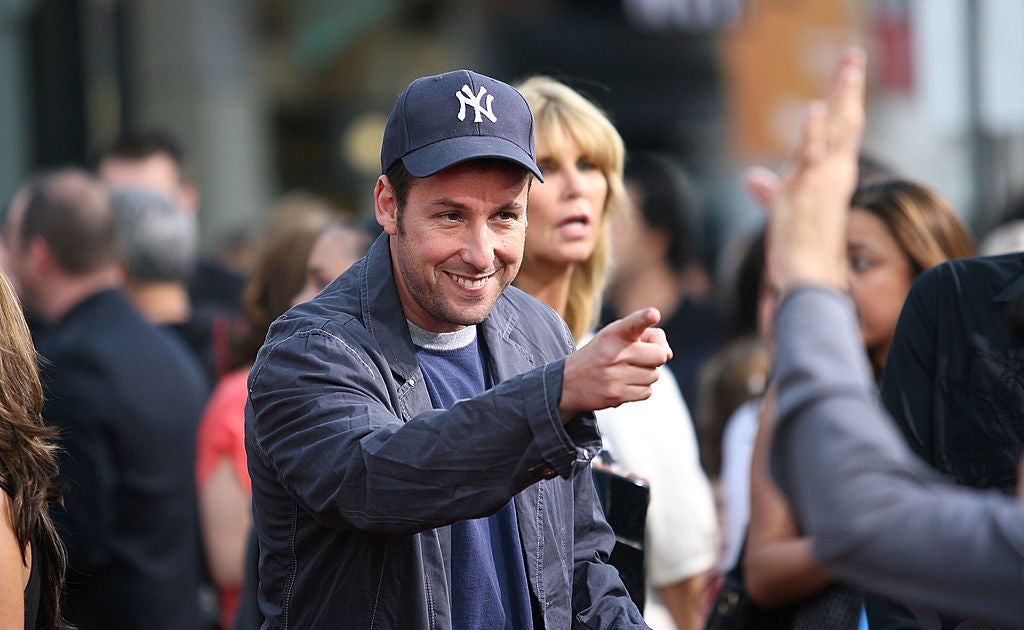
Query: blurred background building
point(273, 95)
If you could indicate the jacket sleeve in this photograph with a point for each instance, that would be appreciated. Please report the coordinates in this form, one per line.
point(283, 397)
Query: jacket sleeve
point(324, 418)
point(881, 519)
point(599, 599)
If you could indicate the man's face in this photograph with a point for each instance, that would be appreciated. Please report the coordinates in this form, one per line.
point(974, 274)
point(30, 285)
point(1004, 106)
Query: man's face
point(158, 173)
point(458, 242)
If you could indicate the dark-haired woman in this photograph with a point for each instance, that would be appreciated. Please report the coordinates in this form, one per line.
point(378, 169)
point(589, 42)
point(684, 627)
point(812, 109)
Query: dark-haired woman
point(32, 558)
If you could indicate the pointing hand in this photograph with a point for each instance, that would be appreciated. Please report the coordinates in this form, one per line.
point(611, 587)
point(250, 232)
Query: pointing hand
point(618, 365)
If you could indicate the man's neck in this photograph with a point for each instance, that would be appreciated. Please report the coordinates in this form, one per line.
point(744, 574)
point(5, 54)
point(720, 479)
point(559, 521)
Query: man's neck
point(161, 302)
point(65, 292)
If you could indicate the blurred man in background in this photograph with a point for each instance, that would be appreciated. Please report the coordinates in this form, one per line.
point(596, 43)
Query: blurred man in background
point(155, 160)
point(126, 400)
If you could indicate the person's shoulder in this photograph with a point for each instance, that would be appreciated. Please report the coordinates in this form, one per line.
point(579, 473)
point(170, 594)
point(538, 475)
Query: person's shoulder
point(103, 323)
point(979, 277)
point(525, 305)
point(327, 322)
point(521, 315)
point(332, 310)
point(527, 312)
point(981, 266)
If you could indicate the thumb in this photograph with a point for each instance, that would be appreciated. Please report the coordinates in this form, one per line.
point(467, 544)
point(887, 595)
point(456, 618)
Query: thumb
point(632, 326)
point(762, 184)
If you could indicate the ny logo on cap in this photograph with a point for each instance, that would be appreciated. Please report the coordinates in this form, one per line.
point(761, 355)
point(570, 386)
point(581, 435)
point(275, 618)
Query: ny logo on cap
point(467, 98)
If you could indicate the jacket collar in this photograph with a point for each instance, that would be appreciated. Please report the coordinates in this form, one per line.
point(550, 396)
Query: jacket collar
point(382, 309)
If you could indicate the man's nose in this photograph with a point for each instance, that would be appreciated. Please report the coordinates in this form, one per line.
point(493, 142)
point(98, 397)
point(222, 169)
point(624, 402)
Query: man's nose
point(479, 247)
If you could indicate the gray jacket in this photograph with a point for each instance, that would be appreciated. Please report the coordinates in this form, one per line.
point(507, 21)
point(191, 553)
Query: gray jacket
point(880, 518)
point(355, 477)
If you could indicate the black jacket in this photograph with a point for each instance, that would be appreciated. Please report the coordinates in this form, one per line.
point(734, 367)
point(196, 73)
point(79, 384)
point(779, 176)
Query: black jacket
point(126, 398)
point(954, 379)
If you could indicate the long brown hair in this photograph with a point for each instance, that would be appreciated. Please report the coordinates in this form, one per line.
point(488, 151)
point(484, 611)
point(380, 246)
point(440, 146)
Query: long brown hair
point(922, 222)
point(924, 225)
point(280, 268)
point(28, 455)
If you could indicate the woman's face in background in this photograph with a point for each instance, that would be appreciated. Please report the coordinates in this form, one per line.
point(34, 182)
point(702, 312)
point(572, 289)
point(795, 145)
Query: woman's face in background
point(880, 275)
point(565, 211)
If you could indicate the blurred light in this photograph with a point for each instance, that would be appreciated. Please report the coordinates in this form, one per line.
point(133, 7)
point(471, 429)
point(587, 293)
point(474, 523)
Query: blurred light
point(360, 142)
point(685, 15)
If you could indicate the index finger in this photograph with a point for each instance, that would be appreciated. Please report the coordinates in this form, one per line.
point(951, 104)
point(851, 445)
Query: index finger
point(763, 185)
point(632, 326)
point(845, 100)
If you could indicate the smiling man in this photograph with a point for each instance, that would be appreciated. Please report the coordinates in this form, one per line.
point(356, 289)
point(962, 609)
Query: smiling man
point(420, 433)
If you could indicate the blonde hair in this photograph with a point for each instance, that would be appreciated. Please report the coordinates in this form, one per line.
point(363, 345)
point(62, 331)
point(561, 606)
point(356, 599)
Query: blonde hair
point(558, 112)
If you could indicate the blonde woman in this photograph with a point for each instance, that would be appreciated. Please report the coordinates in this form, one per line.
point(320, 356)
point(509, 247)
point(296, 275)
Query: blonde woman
point(565, 264)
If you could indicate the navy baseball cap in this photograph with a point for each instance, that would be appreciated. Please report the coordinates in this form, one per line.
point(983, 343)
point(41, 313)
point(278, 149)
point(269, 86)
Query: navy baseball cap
point(448, 118)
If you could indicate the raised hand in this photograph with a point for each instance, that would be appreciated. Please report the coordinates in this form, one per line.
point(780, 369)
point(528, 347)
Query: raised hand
point(618, 365)
point(809, 203)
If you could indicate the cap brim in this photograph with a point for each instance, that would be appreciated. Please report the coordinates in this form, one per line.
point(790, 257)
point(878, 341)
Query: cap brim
point(436, 157)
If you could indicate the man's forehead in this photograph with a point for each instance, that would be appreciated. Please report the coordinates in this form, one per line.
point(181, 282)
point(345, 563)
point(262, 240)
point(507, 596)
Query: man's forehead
point(158, 171)
point(516, 196)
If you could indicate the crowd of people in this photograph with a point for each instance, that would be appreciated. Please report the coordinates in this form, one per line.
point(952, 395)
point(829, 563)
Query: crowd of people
point(406, 425)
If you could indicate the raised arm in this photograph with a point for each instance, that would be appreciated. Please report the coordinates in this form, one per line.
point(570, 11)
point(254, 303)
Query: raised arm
point(879, 517)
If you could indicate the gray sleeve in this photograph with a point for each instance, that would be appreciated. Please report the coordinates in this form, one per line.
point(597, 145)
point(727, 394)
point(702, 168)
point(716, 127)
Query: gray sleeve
point(879, 517)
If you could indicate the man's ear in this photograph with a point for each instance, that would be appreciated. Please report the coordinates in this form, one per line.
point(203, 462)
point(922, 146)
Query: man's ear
point(386, 205)
point(125, 271)
point(188, 197)
point(41, 256)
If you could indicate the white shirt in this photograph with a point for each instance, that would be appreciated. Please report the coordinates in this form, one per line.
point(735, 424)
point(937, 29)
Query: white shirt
point(655, 439)
point(737, 450)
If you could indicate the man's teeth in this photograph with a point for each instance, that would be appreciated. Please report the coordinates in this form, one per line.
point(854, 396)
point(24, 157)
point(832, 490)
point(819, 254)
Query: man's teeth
point(469, 283)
